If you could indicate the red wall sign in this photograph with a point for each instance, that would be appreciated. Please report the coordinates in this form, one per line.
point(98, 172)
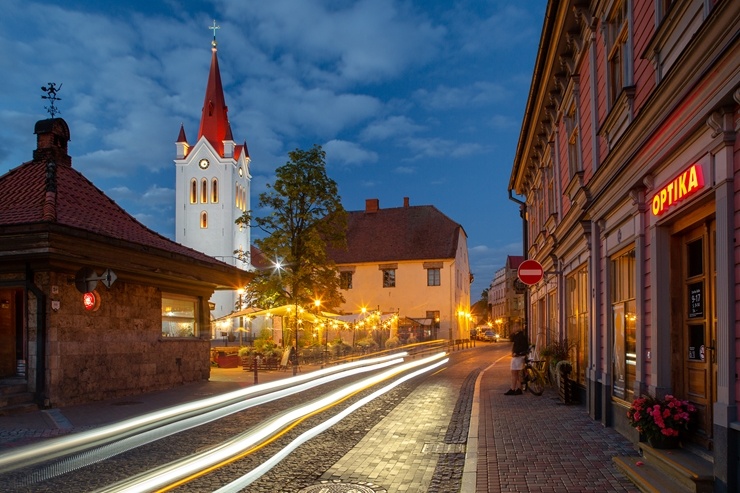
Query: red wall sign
point(530, 272)
point(680, 188)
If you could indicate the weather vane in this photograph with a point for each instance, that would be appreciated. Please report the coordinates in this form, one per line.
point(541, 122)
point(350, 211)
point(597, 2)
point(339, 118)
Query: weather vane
point(51, 94)
point(213, 28)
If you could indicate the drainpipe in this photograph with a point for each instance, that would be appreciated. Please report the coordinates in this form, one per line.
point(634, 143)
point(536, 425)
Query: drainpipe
point(525, 241)
point(40, 336)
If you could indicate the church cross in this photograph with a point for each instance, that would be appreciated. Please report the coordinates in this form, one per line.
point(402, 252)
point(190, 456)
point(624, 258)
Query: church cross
point(214, 27)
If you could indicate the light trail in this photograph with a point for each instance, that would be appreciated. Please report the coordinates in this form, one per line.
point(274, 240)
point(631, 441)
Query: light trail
point(253, 475)
point(253, 439)
point(191, 412)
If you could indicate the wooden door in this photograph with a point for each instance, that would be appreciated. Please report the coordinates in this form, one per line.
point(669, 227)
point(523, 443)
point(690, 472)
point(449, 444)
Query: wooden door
point(7, 333)
point(699, 325)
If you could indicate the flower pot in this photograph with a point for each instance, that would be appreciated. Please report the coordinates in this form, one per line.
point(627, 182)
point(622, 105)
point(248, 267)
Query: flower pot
point(663, 441)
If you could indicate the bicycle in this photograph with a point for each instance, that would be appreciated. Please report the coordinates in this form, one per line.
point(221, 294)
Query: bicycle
point(532, 378)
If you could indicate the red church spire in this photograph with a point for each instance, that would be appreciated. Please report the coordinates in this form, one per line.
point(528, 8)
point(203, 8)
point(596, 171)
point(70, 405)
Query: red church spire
point(214, 122)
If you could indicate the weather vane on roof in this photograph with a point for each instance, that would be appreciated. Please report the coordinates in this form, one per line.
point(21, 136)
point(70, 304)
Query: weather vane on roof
point(51, 94)
point(214, 27)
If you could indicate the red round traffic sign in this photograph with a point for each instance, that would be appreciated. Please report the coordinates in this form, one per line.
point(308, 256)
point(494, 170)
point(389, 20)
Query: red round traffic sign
point(530, 272)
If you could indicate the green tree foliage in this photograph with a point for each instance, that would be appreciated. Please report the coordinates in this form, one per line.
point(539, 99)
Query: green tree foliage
point(305, 217)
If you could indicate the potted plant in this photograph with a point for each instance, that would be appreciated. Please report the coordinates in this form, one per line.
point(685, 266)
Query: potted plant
point(661, 421)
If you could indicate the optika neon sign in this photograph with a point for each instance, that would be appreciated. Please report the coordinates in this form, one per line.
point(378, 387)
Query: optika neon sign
point(681, 187)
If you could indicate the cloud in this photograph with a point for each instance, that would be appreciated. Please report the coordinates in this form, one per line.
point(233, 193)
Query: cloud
point(390, 127)
point(470, 96)
point(365, 40)
point(344, 152)
point(404, 170)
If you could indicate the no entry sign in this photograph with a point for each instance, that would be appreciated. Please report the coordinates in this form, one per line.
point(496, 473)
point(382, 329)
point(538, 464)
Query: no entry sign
point(530, 272)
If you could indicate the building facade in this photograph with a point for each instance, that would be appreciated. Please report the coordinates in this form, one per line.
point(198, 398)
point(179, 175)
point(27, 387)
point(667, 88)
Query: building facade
point(410, 260)
point(94, 305)
point(212, 188)
point(628, 159)
point(505, 299)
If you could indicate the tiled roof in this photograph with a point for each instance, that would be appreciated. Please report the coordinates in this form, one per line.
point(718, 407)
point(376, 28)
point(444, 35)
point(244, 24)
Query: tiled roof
point(513, 261)
point(398, 234)
point(79, 204)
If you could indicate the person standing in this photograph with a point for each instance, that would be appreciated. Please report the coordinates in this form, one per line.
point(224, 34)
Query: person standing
point(519, 350)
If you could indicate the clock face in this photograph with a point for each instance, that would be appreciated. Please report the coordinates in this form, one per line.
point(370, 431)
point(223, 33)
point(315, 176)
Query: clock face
point(203, 163)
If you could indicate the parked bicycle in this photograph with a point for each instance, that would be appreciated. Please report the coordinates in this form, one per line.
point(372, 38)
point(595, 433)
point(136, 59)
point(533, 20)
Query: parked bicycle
point(532, 378)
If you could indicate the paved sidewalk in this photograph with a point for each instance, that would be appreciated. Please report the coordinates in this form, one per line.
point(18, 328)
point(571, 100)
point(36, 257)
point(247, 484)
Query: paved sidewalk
point(529, 443)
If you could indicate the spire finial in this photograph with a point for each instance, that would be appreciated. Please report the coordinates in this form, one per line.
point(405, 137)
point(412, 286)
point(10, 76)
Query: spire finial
point(51, 94)
point(213, 28)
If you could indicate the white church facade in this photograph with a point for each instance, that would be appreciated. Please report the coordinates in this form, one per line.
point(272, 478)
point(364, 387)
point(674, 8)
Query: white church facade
point(213, 188)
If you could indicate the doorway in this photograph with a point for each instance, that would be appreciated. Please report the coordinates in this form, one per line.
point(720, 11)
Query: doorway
point(9, 332)
point(694, 365)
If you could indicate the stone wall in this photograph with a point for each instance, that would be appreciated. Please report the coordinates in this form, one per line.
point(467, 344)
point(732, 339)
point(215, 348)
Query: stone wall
point(117, 350)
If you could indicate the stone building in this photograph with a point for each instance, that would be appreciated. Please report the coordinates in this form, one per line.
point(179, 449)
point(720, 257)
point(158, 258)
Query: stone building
point(628, 159)
point(506, 302)
point(93, 304)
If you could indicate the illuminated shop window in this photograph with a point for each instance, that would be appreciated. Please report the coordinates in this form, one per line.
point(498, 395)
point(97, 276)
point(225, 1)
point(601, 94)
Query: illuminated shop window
point(179, 316)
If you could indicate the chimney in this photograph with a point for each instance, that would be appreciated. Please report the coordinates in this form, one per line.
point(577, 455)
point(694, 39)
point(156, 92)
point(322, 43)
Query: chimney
point(52, 136)
point(372, 205)
point(406, 202)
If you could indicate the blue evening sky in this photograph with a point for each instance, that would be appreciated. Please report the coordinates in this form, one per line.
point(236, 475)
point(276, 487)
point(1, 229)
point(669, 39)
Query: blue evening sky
point(409, 98)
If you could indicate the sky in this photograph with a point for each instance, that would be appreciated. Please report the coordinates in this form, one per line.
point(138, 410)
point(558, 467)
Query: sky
point(409, 98)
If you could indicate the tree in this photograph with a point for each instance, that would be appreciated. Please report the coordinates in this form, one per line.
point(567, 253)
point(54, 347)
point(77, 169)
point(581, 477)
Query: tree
point(305, 217)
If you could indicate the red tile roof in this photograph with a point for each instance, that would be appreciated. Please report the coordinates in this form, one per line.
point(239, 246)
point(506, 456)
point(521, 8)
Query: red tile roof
point(397, 234)
point(79, 204)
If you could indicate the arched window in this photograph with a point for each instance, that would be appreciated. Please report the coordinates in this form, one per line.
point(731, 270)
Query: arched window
point(203, 220)
point(214, 190)
point(203, 191)
point(236, 196)
point(193, 191)
point(244, 199)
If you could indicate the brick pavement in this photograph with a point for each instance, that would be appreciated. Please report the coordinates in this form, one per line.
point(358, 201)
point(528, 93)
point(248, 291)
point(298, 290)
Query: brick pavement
point(424, 444)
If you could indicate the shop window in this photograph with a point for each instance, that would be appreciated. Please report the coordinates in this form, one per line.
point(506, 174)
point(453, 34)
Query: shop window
point(433, 277)
point(624, 324)
point(179, 316)
point(576, 316)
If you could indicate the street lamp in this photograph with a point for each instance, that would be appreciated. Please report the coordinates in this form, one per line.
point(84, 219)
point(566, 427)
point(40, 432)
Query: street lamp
point(240, 291)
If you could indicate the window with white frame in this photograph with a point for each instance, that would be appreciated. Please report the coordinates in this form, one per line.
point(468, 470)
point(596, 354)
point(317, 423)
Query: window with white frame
point(433, 277)
point(179, 316)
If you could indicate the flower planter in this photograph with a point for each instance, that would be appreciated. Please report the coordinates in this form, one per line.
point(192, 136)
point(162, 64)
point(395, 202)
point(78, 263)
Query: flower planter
point(663, 442)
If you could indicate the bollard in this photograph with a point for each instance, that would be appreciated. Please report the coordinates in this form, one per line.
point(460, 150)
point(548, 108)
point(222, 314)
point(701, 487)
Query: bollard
point(255, 369)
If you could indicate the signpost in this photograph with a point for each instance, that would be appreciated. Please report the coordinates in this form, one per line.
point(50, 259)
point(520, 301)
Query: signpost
point(530, 272)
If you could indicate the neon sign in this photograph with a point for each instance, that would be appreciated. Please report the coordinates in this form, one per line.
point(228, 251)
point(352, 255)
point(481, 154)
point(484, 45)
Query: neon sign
point(681, 187)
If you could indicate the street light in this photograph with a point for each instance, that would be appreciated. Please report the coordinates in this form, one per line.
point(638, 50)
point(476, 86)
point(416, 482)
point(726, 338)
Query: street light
point(240, 291)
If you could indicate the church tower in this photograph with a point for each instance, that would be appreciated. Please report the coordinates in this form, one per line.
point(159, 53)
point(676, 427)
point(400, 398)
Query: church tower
point(213, 187)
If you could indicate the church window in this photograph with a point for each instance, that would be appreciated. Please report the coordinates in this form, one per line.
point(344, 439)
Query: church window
point(244, 199)
point(214, 191)
point(203, 191)
point(193, 191)
point(237, 197)
point(203, 219)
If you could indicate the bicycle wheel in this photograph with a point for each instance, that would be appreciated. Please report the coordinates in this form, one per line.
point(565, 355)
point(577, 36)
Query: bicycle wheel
point(535, 382)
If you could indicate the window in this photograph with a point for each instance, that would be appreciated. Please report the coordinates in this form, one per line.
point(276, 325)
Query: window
point(389, 278)
point(345, 280)
point(203, 191)
point(434, 317)
point(576, 314)
point(433, 277)
point(617, 60)
point(203, 219)
point(624, 318)
point(214, 191)
point(193, 191)
point(179, 316)
point(574, 144)
point(237, 198)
